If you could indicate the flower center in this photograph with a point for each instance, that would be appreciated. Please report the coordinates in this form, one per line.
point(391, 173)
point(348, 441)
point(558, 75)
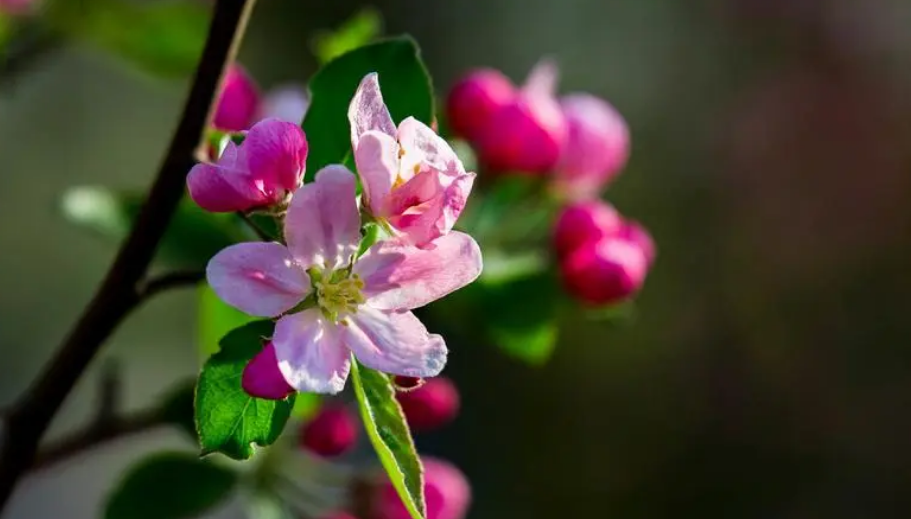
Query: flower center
point(339, 294)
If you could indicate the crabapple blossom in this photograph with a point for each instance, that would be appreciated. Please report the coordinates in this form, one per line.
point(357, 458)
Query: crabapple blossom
point(474, 100)
point(412, 178)
point(582, 222)
point(330, 306)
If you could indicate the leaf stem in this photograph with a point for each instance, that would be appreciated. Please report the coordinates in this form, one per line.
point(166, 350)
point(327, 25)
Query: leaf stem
point(118, 295)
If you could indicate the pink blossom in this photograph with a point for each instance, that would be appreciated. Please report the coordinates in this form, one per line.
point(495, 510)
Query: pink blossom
point(446, 491)
point(262, 171)
point(412, 179)
point(332, 432)
point(583, 222)
point(361, 308)
point(596, 149)
point(528, 134)
point(604, 271)
point(475, 99)
point(430, 406)
point(238, 102)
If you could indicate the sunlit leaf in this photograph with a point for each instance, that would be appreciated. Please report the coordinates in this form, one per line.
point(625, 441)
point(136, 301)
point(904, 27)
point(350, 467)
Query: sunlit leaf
point(356, 32)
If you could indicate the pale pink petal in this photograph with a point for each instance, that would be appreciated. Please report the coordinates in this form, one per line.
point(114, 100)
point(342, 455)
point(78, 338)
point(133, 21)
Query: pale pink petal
point(311, 355)
point(423, 149)
point(258, 278)
point(288, 103)
point(322, 227)
point(276, 153)
point(261, 377)
point(425, 208)
point(394, 342)
point(543, 78)
point(367, 110)
point(398, 276)
point(376, 157)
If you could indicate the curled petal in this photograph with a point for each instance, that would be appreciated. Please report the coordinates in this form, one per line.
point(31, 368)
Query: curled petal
point(322, 227)
point(262, 378)
point(398, 276)
point(276, 153)
point(368, 111)
point(423, 149)
point(310, 353)
point(258, 278)
point(394, 342)
point(428, 205)
point(378, 165)
point(225, 186)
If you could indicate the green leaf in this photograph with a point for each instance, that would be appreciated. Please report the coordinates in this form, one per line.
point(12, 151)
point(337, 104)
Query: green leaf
point(164, 38)
point(521, 316)
point(356, 32)
point(192, 238)
point(390, 436)
point(503, 267)
point(229, 420)
point(406, 89)
point(215, 319)
point(169, 485)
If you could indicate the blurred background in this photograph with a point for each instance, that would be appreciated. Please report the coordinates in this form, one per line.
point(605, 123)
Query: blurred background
point(768, 370)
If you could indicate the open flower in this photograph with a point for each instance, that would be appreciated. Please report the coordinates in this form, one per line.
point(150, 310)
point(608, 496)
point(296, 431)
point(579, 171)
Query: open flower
point(412, 178)
point(358, 307)
point(262, 171)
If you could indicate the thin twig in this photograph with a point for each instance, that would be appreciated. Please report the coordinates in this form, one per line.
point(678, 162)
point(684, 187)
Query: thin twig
point(177, 279)
point(118, 294)
point(95, 435)
point(260, 232)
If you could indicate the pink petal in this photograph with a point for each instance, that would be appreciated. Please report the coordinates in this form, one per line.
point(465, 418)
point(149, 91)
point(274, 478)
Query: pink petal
point(276, 154)
point(310, 353)
point(543, 78)
point(237, 102)
point(225, 186)
point(288, 103)
point(397, 276)
point(367, 110)
point(376, 157)
point(394, 342)
point(258, 278)
point(425, 208)
point(423, 149)
point(262, 378)
point(322, 227)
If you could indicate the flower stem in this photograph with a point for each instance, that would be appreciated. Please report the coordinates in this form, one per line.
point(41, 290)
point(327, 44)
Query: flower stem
point(119, 293)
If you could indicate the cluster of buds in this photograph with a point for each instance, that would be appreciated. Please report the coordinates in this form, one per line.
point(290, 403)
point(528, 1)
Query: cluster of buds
point(579, 143)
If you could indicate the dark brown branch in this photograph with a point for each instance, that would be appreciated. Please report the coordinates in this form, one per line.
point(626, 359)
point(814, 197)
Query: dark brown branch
point(171, 280)
point(95, 435)
point(118, 294)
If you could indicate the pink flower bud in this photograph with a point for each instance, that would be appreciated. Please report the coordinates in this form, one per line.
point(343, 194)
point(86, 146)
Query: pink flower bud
point(238, 102)
point(584, 222)
point(634, 231)
point(525, 136)
point(604, 271)
point(433, 404)
point(473, 101)
point(446, 490)
point(262, 171)
point(262, 378)
point(333, 431)
point(597, 146)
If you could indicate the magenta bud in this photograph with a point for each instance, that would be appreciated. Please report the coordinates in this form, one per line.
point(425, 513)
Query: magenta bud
point(432, 405)
point(238, 102)
point(446, 490)
point(605, 271)
point(597, 146)
point(634, 231)
point(473, 101)
point(525, 136)
point(584, 222)
point(332, 432)
point(262, 378)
